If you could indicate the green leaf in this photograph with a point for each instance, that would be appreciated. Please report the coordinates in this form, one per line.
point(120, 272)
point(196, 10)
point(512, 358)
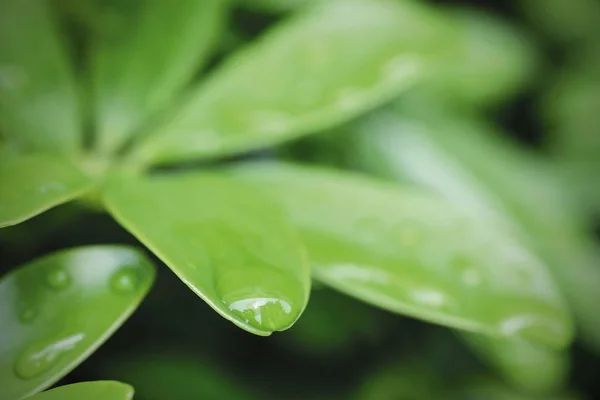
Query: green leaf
point(38, 97)
point(568, 21)
point(223, 240)
point(533, 368)
point(412, 252)
point(144, 59)
point(475, 167)
point(32, 183)
point(57, 310)
point(99, 390)
point(345, 65)
point(491, 62)
point(161, 375)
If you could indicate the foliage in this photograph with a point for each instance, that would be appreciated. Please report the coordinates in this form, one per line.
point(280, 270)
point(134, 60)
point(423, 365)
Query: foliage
point(188, 128)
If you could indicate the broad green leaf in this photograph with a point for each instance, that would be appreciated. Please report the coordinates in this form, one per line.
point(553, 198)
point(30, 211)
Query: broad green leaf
point(169, 374)
point(533, 368)
point(38, 97)
point(223, 240)
point(32, 183)
point(98, 390)
point(310, 72)
point(141, 62)
point(471, 165)
point(492, 61)
point(415, 253)
point(57, 310)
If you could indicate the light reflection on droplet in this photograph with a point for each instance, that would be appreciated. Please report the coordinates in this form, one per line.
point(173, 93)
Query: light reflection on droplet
point(41, 356)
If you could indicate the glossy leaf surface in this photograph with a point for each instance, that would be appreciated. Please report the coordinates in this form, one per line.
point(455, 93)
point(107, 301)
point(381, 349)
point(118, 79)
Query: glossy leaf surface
point(32, 183)
point(57, 310)
point(473, 166)
point(533, 368)
point(38, 99)
point(345, 66)
point(414, 253)
point(144, 59)
point(228, 244)
point(99, 390)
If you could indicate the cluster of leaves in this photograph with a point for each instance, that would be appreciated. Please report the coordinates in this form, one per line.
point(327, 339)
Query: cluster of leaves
point(443, 220)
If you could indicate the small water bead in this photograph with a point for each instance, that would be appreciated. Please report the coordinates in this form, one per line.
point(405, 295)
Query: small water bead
point(43, 355)
point(124, 281)
point(58, 279)
point(27, 315)
point(468, 274)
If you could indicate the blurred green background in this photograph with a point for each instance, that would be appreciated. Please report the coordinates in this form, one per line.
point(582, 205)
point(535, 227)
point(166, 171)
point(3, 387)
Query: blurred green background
point(176, 347)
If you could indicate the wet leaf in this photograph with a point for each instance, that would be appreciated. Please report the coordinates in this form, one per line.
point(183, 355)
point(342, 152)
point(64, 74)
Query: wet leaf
point(57, 310)
point(347, 66)
point(472, 165)
point(99, 390)
point(32, 183)
point(146, 56)
point(38, 98)
point(223, 240)
point(412, 252)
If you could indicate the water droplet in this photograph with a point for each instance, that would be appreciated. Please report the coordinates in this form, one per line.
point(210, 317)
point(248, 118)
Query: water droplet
point(27, 315)
point(58, 279)
point(51, 187)
point(429, 297)
point(468, 274)
point(125, 281)
point(42, 356)
point(265, 297)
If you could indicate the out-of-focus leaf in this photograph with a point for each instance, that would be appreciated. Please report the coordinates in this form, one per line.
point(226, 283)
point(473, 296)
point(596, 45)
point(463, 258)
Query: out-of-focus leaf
point(533, 368)
point(172, 375)
point(573, 21)
point(99, 390)
point(38, 98)
point(412, 252)
point(332, 325)
point(408, 380)
point(489, 389)
point(571, 112)
point(32, 183)
point(57, 310)
point(470, 164)
point(321, 67)
point(227, 243)
point(491, 62)
point(144, 59)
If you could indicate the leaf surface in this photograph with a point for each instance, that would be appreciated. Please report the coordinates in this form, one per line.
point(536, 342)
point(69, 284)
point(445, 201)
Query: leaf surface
point(322, 66)
point(38, 95)
point(412, 252)
point(33, 183)
point(223, 240)
point(55, 311)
